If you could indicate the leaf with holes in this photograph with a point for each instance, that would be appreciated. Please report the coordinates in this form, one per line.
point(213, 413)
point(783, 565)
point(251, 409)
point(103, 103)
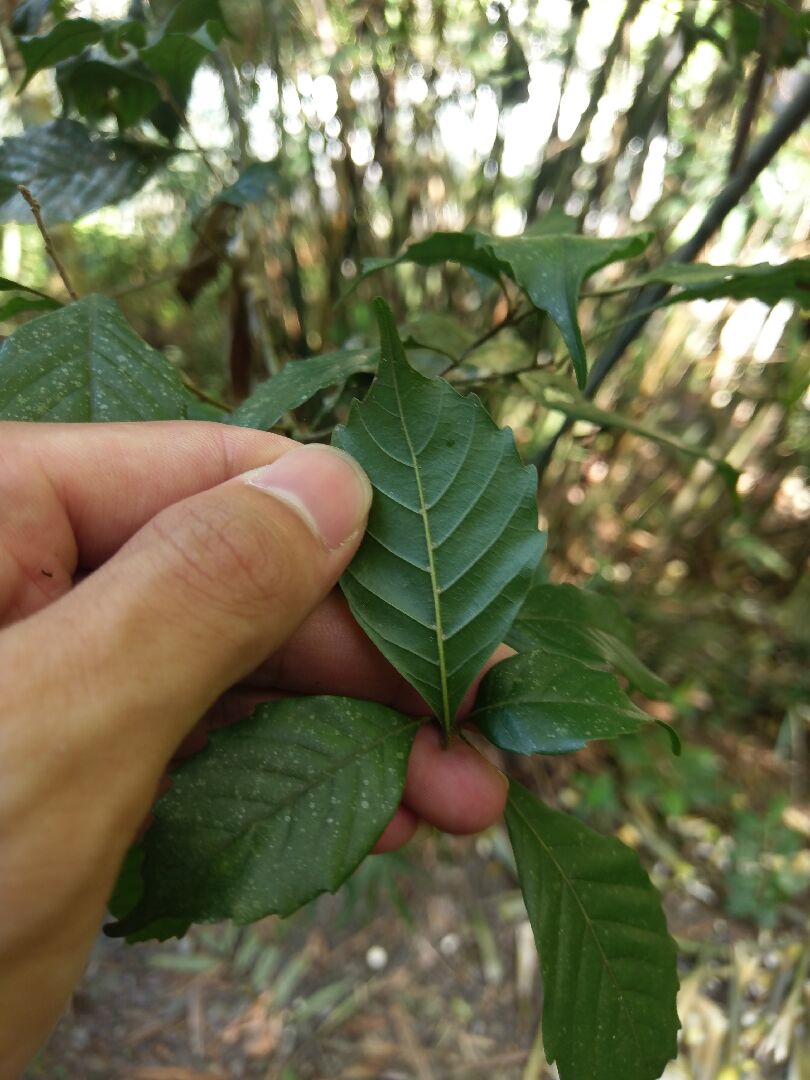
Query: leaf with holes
point(609, 966)
point(297, 382)
point(537, 703)
point(71, 170)
point(452, 539)
point(277, 809)
point(84, 363)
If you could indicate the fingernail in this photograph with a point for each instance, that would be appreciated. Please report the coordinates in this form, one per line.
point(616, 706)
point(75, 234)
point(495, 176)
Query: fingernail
point(324, 486)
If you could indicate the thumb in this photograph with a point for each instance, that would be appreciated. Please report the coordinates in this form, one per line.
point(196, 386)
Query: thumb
point(205, 591)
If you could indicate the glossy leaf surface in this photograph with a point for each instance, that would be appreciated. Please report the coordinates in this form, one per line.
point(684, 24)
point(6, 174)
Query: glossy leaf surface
point(581, 625)
point(452, 540)
point(609, 965)
point(297, 382)
point(277, 809)
point(85, 363)
point(71, 171)
point(538, 703)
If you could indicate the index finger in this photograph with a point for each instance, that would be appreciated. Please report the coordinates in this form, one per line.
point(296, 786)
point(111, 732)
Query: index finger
point(105, 481)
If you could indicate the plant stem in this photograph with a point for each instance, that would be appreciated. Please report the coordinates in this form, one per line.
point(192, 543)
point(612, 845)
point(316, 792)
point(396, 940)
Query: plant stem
point(203, 395)
point(36, 210)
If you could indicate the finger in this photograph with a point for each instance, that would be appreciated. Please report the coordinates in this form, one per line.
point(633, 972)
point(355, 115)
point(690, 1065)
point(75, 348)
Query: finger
point(330, 654)
point(72, 494)
point(457, 789)
point(398, 831)
point(148, 642)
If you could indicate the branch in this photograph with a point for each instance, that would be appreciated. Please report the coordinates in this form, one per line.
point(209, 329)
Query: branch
point(786, 124)
point(36, 210)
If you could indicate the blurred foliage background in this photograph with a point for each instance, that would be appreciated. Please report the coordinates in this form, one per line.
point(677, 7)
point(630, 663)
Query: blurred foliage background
point(369, 123)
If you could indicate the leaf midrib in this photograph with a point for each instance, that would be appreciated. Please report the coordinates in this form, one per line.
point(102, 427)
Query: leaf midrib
point(446, 719)
point(588, 922)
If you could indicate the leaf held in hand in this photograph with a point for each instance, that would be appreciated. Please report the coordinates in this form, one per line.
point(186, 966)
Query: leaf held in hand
point(609, 966)
point(452, 540)
point(277, 809)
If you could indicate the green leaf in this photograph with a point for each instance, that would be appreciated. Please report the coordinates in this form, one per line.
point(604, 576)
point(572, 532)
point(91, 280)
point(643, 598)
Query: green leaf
point(68, 38)
point(538, 703)
point(550, 268)
point(767, 282)
point(7, 285)
point(175, 57)
point(254, 185)
point(118, 33)
point(452, 539)
point(72, 171)
point(585, 626)
point(276, 810)
point(85, 363)
point(97, 87)
point(189, 15)
point(552, 393)
point(18, 305)
point(468, 248)
point(609, 966)
point(297, 382)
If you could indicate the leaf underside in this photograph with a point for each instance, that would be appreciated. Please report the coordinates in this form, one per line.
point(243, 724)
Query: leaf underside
point(538, 703)
point(452, 539)
point(277, 809)
point(609, 965)
point(85, 363)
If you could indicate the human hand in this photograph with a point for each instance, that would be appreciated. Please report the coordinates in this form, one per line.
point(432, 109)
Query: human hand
point(197, 596)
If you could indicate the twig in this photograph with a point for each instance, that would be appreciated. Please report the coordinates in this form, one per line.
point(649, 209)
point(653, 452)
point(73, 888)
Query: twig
point(512, 319)
point(786, 124)
point(198, 392)
point(36, 210)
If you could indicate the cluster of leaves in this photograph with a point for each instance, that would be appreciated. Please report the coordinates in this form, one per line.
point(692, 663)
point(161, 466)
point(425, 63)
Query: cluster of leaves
point(446, 572)
point(449, 567)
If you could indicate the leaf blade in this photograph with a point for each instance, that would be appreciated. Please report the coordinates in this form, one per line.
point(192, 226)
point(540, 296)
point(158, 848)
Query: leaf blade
point(67, 38)
point(85, 363)
point(296, 383)
point(538, 703)
point(581, 625)
point(71, 171)
point(278, 809)
point(454, 511)
point(595, 913)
